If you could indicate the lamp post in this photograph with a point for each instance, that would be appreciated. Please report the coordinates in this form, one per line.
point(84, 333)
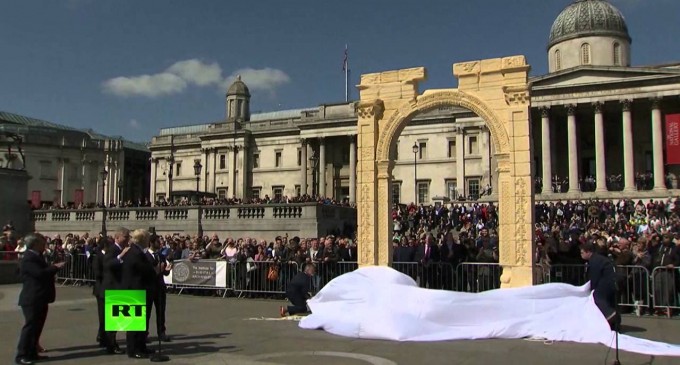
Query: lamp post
point(171, 163)
point(313, 160)
point(120, 192)
point(104, 174)
point(415, 171)
point(197, 172)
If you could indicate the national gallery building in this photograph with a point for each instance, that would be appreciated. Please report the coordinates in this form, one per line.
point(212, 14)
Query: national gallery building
point(599, 130)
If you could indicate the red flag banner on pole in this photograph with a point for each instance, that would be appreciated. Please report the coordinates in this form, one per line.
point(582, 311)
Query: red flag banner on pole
point(36, 200)
point(673, 139)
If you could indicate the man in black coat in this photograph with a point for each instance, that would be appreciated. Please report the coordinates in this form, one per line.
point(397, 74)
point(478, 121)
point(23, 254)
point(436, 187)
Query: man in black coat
point(112, 274)
point(36, 294)
point(427, 254)
point(138, 274)
point(298, 291)
point(97, 289)
point(602, 278)
point(157, 296)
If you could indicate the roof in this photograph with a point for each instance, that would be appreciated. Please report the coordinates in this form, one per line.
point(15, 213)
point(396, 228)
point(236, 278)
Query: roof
point(585, 18)
point(238, 87)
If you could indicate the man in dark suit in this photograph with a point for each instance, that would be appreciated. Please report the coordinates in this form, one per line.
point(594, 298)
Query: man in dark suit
point(112, 274)
point(157, 296)
point(298, 291)
point(602, 278)
point(427, 255)
point(138, 274)
point(97, 289)
point(37, 292)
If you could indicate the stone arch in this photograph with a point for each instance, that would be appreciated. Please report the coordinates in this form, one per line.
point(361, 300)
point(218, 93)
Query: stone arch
point(497, 91)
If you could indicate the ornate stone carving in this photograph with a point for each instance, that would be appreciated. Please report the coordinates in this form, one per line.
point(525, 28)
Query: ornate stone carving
point(626, 104)
point(598, 105)
point(656, 102)
point(468, 67)
point(545, 111)
point(520, 221)
point(512, 62)
point(516, 95)
point(372, 110)
point(366, 241)
point(403, 116)
point(571, 109)
point(506, 212)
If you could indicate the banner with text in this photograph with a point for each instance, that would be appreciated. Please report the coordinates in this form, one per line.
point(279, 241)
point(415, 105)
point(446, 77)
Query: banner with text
point(198, 273)
point(673, 139)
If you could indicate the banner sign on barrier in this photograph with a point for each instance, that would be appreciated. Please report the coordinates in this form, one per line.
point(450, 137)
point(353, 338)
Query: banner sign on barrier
point(199, 273)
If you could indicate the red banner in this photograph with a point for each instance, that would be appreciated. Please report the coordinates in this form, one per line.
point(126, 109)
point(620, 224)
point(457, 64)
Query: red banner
point(673, 139)
point(36, 201)
point(78, 197)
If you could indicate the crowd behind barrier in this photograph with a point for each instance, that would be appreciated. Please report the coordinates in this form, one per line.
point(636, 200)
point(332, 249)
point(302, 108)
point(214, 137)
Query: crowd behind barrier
point(450, 246)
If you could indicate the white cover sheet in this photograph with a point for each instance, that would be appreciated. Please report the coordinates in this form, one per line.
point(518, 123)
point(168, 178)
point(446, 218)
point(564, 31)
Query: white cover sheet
point(381, 303)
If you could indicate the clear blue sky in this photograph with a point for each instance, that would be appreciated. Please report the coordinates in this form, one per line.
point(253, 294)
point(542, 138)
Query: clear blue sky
point(130, 67)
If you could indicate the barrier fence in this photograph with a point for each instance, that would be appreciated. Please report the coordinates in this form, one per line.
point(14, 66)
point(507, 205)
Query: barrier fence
point(638, 289)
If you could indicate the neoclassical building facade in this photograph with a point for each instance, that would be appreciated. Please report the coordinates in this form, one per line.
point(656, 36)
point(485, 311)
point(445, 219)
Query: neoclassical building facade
point(598, 131)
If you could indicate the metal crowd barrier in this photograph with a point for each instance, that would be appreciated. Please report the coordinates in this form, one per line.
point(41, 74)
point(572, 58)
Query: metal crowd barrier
point(664, 289)
point(566, 273)
point(260, 277)
point(476, 277)
point(433, 275)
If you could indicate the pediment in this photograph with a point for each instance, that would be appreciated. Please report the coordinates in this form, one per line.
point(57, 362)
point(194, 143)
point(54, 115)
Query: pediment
point(583, 76)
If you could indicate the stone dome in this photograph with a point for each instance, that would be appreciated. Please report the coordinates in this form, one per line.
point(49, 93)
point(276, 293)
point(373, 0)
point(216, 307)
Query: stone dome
point(588, 18)
point(238, 87)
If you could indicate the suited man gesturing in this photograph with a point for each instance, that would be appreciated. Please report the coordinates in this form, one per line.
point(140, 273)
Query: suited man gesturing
point(36, 294)
point(138, 274)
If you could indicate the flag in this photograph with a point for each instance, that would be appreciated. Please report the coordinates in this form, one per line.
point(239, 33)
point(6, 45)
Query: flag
point(344, 62)
point(673, 139)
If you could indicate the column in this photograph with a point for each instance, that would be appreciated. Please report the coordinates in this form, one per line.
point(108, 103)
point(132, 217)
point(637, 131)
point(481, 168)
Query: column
point(62, 182)
point(244, 173)
point(628, 157)
point(460, 161)
point(232, 170)
point(600, 169)
point(352, 169)
point(546, 151)
point(485, 152)
point(213, 188)
point(206, 170)
point(303, 166)
point(657, 146)
point(154, 175)
point(322, 167)
point(573, 148)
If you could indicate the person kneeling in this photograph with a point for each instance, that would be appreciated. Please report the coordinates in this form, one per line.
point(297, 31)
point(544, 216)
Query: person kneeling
point(298, 291)
point(602, 278)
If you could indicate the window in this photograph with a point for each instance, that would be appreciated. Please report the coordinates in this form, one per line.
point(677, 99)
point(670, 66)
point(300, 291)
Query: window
point(423, 192)
point(558, 60)
point(298, 190)
point(231, 108)
point(422, 150)
point(178, 171)
point(617, 54)
point(299, 158)
point(473, 188)
point(74, 173)
point(256, 160)
point(255, 192)
point(222, 193)
point(277, 192)
point(277, 159)
point(396, 192)
point(473, 147)
point(239, 106)
point(452, 149)
point(223, 162)
point(451, 189)
point(585, 54)
point(396, 152)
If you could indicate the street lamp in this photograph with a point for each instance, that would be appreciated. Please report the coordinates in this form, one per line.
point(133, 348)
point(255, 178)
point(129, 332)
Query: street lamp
point(197, 172)
point(104, 174)
point(415, 171)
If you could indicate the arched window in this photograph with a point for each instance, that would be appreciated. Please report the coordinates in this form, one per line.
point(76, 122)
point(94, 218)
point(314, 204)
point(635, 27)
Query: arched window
point(585, 54)
point(617, 54)
point(558, 60)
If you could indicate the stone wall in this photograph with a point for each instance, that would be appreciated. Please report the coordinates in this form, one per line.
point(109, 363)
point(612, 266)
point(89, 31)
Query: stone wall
point(13, 197)
point(257, 221)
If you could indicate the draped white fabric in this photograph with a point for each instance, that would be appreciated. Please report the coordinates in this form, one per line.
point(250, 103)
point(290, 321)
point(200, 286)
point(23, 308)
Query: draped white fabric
point(381, 303)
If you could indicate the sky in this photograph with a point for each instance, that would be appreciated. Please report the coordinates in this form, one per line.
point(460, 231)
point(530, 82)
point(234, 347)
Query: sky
point(129, 67)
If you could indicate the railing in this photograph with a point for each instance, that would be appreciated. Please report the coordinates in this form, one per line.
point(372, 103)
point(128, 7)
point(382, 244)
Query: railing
point(664, 290)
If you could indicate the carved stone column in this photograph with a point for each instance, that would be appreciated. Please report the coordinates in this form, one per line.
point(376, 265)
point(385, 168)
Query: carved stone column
point(546, 155)
point(303, 166)
point(573, 148)
point(600, 168)
point(352, 169)
point(322, 167)
point(154, 176)
point(628, 154)
point(657, 146)
point(460, 162)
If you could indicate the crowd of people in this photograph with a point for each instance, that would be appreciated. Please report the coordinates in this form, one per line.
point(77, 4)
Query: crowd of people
point(203, 201)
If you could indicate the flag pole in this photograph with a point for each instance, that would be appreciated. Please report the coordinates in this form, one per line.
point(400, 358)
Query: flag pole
point(346, 67)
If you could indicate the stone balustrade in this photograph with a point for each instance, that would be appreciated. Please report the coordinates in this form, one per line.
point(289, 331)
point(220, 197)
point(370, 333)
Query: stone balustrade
point(258, 221)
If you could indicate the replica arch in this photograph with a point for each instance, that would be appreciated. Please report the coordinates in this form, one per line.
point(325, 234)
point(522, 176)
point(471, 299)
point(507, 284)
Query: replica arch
point(497, 91)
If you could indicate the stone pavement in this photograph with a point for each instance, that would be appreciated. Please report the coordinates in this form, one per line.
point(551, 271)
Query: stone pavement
point(207, 330)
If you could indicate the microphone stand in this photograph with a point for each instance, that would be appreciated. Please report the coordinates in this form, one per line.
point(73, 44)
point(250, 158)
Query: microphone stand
point(158, 355)
point(617, 322)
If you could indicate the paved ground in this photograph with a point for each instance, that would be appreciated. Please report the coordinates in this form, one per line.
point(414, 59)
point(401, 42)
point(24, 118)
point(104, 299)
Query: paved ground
point(210, 330)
